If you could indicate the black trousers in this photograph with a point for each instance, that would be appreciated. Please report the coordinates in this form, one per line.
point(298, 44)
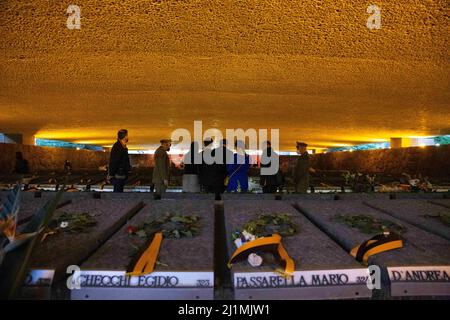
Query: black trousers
point(269, 189)
point(217, 190)
point(118, 184)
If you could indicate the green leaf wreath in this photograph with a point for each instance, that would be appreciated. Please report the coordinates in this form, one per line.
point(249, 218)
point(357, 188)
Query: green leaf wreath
point(268, 224)
point(368, 224)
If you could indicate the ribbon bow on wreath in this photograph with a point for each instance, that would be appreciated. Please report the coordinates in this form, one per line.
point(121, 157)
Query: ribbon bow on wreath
point(167, 226)
point(272, 244)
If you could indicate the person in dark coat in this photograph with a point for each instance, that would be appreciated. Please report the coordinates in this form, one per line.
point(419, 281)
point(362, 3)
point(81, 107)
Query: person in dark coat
point(67, 167)
point(269, 182)
point(212, 175)
point(228, 155)
point(301, 170)
point(191, 169)
point(21, 166)
point(119, 162)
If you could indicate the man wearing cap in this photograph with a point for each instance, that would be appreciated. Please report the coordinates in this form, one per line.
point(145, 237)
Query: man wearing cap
point(301, 169)
point(119, 162)
point(162, 167)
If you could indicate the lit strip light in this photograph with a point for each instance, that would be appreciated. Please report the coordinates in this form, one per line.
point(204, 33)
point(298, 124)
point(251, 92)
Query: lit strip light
point(183, 151)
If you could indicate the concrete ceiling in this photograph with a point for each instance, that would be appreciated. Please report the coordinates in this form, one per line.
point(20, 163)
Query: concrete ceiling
point(309, 68)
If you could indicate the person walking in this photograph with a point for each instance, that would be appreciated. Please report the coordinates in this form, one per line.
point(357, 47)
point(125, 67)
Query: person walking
point(161, 172)
point(119, 162)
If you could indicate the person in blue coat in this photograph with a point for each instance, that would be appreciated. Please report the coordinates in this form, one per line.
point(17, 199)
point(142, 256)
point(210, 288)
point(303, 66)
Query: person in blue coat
point(238, 170)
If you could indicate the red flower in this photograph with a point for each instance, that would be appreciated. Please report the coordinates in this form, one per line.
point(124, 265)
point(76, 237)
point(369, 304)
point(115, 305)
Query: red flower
point(131, 229)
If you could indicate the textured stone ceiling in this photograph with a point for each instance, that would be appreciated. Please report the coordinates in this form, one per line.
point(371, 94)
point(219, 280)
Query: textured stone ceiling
point(310, 68)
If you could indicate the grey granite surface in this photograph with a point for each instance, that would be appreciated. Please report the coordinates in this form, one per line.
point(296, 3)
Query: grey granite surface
point(310, 248)
point(419, 195)
point(443, 202)
point(362, 196)
point(185, 254)
point(29, 205)
point(420, 248)
point(413, 211)
point(248, 196)
point(64, 249)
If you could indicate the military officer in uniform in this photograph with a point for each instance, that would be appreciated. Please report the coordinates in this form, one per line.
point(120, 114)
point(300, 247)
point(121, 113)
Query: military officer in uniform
point(162, 166)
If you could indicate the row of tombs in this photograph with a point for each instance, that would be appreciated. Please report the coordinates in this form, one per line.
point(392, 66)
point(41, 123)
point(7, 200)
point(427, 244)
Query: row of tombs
point(105, 246)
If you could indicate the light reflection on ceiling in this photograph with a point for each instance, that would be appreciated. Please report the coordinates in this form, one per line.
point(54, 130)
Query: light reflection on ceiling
point(311, 69)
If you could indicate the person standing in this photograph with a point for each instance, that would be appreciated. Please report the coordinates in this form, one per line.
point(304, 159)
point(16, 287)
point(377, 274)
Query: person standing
point(269, 182)
point(21, 166)
point(213, 173)
point(191, 169)
point(301, 170)
point(228, 155)
point(119, 162)
point(161, 171)
point(238, 170)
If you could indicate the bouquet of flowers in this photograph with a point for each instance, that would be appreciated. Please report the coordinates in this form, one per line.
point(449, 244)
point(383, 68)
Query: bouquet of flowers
point(264, 225)
point(171, 225)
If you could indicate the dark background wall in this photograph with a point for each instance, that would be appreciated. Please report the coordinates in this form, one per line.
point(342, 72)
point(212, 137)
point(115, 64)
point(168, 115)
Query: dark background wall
point(49, 159)
point(430, 161)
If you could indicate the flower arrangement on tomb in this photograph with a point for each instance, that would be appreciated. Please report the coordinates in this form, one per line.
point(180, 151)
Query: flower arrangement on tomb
point(264, 225)
point(75, 222)
point(416, 183)
point(171, 225)
point(444, 218)
point(368, 224)
point(267, 224)
point(154, 231)
point(351, 178)
point(393, 188)
point(359, 182)
point(70, 223)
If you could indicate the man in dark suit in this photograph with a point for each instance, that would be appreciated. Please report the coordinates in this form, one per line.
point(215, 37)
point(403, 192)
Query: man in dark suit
point(119, 162)
point(212, 175)
point(269, 182)
point(301, 169)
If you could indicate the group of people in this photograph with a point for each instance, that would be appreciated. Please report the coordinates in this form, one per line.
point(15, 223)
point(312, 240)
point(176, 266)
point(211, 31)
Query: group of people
point(230, 174)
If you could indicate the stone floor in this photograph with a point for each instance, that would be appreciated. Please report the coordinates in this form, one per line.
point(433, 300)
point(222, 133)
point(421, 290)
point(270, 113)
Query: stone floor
point(320, 245)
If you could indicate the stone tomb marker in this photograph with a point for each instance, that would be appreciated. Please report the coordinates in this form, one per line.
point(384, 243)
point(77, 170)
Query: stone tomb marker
point(414, 211)
point(29, 204)
point(420, 268)
point(186, 272)
point(443, 202)
point(59, 251)
point(322, 269)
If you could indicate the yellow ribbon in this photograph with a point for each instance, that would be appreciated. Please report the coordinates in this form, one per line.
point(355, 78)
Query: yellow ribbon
point(146, 262)
point(391, 245)
point(275, 239)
